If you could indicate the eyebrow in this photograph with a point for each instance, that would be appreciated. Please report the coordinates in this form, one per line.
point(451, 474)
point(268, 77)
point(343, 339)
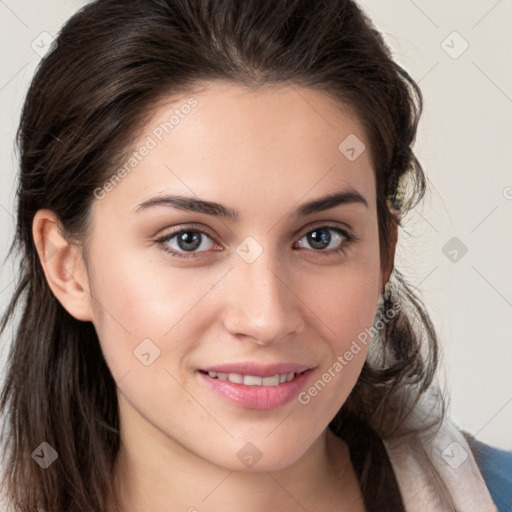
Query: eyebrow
point(192, 204)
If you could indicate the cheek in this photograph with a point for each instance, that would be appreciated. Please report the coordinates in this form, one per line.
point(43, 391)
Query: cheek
point(344, 304)
point(141, 309)
point(349, 317)
point(345, 298)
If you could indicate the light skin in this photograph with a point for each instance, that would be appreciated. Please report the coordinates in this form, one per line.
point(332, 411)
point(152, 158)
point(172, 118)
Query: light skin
point(263, 153)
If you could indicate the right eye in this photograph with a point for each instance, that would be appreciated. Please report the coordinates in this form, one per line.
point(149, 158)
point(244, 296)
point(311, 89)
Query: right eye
point(189, 240)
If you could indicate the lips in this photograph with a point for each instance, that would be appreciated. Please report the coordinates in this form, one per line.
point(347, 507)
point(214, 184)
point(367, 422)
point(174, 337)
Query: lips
point(257, 396)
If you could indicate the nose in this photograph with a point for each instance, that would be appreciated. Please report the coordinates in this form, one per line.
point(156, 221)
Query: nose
point(261, 305)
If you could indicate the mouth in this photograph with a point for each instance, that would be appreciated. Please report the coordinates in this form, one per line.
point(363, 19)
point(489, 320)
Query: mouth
point(253, 380)
point(255, 391)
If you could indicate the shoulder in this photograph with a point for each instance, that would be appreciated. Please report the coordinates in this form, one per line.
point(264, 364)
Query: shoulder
point(496, 468)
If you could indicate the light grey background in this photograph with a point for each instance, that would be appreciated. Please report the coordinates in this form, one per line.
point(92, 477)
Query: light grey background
point(464, 144)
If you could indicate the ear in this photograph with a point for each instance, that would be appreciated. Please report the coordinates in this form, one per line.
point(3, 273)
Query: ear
point(388, 264)
point(62, 265)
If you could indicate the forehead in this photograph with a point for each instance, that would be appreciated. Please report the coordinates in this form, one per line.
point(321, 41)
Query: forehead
point(226, 138)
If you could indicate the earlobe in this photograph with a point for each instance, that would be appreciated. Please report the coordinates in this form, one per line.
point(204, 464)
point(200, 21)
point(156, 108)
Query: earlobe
point(62, 265)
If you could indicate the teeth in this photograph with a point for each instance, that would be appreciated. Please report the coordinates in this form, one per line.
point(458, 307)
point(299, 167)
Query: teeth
point(236, 378)
point(271, 381)
point(253, 380)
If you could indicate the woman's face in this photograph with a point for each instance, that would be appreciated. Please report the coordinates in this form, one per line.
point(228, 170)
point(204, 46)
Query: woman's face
point(265, 276)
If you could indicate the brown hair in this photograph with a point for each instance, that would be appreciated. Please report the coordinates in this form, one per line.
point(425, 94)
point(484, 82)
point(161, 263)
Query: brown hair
point(112, 64)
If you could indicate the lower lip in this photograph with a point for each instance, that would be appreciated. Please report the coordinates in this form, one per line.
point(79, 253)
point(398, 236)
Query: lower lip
point(257, 397)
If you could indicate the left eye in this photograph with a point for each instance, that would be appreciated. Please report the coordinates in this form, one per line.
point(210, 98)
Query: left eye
point(325, 238)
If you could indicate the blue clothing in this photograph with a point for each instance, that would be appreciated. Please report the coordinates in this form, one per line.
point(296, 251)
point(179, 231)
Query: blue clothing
point(496, 468)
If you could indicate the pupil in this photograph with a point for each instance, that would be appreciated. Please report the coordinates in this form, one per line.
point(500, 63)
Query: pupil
point(189, 240)
point(319, 238)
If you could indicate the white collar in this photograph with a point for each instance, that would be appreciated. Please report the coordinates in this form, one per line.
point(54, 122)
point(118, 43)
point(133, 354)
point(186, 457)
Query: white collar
point(450, 455)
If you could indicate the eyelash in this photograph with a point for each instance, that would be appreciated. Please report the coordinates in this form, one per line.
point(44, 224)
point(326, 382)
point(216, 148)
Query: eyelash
point(350, 238)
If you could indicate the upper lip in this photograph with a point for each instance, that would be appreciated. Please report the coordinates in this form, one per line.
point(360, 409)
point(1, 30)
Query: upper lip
point(256, 369)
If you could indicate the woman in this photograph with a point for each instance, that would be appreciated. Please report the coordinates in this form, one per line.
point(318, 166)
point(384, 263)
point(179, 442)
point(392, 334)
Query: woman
point(209, 202)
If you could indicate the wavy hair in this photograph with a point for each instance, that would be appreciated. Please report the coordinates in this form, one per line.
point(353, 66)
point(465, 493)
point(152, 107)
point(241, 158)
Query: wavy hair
point(112, 64)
